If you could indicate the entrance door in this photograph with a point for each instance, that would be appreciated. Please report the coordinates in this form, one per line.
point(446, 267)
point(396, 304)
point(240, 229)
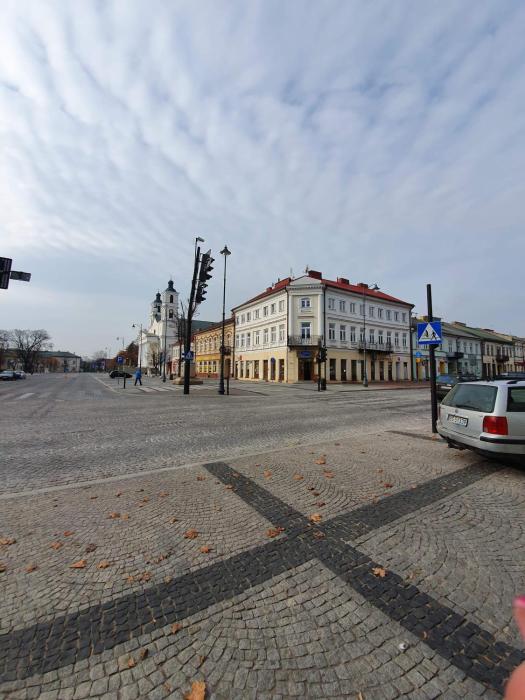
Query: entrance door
point(343, 370)
point(354, 370)
point(390, 376)
point(265, 370)
point(373, 371)
point(305, 370)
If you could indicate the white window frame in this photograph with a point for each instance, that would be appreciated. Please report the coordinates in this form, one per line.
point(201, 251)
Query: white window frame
point(306, 330)
point(306, 303)
point(265, 336)
point(331, 331)
point(342, 332)
point(273, 334)
point(342, 306)
point(352, 334)
point(331, 303)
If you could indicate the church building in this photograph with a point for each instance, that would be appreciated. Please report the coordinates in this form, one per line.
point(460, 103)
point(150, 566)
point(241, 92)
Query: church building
point(162, 331)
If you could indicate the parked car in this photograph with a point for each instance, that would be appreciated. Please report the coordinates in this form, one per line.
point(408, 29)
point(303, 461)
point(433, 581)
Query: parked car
point(445, 382)
point(8, 376)
point(511, 375)
point(487, 417)
point(119, 373)
point(20, 374)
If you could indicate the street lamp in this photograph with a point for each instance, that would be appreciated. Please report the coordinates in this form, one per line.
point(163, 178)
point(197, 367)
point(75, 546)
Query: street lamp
point(373, 288)
point(225, 252)
point(134, 325)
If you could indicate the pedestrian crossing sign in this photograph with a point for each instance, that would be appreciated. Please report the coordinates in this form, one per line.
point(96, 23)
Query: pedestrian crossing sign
point(429, 333)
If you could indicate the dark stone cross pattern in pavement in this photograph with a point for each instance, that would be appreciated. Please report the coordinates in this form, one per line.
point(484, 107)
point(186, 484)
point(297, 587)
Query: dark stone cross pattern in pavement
point(69, 638)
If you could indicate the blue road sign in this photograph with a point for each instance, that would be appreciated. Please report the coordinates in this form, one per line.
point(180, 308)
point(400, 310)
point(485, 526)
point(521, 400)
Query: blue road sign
point(429, 333)
point(188, 355)
point(120, 360)
point(418, 354)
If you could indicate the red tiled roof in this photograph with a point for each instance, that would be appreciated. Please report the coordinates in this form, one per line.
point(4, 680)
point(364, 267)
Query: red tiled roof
point(277, 287)
point(357, 289)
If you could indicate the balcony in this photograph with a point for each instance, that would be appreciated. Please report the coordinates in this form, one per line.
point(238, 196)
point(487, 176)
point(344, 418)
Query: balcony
point(455, 355)
point(299, 341)
point(502, 357)
point(376, 347)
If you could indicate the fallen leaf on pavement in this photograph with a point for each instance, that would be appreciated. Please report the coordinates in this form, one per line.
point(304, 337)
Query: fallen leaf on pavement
point(125, 516)
point(176, 627)
point(197, 692)
point(68, 533)
point(205, 549)
point(191, 534)
point(315, 493)
point(7, 540)
point(174, 520)
point(131, 662)
point(103, 564)
point(92, 498)
point(328, 474)
point(167, 687)
point(320, 504)
point(321, 460)
point(200, 477)
point(31, 567)
point(319, 535)
point(163, 494)
point(274, 531)
point(229, 486)
point(146, 576)
point(143, 653)
point(360, 696)
point(90, 548)
point(80, 564)
point(118, 494)
point(298, 477)
point(337, 444)
point(114, 515)
point(388, 485)
point(145, 499)
point(315, 517)
point(267, 473)
point(130, 578)
point(379, 571)
point(3, 568)
point(167, 579)
point(56, 545)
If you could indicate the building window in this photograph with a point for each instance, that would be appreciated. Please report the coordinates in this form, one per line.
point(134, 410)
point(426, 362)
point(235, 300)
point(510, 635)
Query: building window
point(171, 298)
point(396, 339)
point(248, 316)
point(243, 318)
point(265, 336)
point(305, 303)
point(248, 339)
point(396, 315)
point(170, 313)
point(388, 315)
point(331, 303)
point(342, 306)
point(273, 334)
point(371, 335)
point(450, 346)
point(256, 369)
point(352, 307)
point(389, 337)
point(404, 317)
point(404, 340)
point(352, 334)
point(380, 337)
point(265, 311)
point(256, 313)
point(380, 313)
point(306, 330)
point(257, 338)
point(281, 333)
point(242, 340)
point(332, 369)
point(362, 334)
point(281, 305)
point(371, 311)
point(272, 308)
point(342, 332)
point(331, 331)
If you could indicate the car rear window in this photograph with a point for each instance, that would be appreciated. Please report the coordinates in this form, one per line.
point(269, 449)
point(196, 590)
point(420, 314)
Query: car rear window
point(516, 400)
point(474, 397)
point(445, 378)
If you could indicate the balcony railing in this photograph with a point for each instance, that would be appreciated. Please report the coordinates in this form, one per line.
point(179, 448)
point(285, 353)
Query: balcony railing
point(502, 357)
point(299, 340)
point(375, 347)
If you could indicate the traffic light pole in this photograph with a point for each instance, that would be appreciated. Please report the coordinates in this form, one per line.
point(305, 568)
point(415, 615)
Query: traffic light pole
point(187, 340)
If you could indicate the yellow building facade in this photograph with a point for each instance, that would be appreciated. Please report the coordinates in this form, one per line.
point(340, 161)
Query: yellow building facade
point(207, 344)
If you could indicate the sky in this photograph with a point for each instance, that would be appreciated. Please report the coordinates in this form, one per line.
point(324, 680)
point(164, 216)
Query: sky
point(380, 141)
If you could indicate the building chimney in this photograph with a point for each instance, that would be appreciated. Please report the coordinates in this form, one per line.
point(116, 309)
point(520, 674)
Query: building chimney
point(268, 289)
point(362, 284)
point(314, 273)
point(343, 280)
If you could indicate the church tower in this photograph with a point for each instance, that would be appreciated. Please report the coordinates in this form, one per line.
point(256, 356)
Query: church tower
point(156, 309)
point(170, 302)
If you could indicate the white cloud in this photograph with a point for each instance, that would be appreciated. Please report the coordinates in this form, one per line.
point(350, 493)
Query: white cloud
point(371, 140)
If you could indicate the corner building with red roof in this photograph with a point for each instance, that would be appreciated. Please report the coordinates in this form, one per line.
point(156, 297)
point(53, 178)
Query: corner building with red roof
point(278, 333)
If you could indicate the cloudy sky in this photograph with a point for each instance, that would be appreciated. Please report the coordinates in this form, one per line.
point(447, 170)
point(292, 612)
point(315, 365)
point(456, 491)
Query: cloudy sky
point(380, 141)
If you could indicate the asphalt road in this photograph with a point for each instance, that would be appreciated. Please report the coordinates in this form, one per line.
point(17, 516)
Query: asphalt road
point(61, 429)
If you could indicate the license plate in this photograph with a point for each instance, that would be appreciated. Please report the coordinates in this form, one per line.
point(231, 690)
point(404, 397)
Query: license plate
point(458, 420)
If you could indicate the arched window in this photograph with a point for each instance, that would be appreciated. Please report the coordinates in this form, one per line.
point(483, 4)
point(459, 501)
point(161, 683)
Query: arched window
point(171, 313)
point(171, 298)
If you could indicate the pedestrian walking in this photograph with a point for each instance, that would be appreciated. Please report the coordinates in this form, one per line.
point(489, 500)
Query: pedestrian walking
point(138, 376)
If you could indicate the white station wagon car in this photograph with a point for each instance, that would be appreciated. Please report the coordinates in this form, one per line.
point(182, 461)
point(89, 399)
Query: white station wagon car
point(487, 416)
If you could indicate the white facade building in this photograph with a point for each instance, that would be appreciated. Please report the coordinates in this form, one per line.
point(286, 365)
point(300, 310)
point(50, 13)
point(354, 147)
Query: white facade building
point(161, 333)
point(278, 333)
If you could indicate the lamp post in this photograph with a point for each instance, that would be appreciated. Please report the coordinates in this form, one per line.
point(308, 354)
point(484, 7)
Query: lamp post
point(140, 345)
point(373, 288)
point(225, 252)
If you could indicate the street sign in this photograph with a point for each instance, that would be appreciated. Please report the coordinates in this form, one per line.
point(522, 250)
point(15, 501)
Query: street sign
point(120, 360)
point(305, 354)
point(418, 354)
point(187, 355)
point(429, 333)
point(21, 276)
point(5, 270)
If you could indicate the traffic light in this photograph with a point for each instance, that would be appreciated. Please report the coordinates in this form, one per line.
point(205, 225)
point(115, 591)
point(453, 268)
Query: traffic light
point(5, 272)
point(322, 354)
point(204, 276)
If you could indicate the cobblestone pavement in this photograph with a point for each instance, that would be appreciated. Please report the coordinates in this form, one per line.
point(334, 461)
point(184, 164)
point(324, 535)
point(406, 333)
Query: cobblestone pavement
point(376, 564)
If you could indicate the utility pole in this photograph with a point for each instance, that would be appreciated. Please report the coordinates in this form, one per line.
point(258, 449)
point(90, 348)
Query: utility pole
point(225, 252)
point(189, 318)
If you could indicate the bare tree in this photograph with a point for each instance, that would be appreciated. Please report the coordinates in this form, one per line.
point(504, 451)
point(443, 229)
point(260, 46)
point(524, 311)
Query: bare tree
point(28, 344)
point(4, 344)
